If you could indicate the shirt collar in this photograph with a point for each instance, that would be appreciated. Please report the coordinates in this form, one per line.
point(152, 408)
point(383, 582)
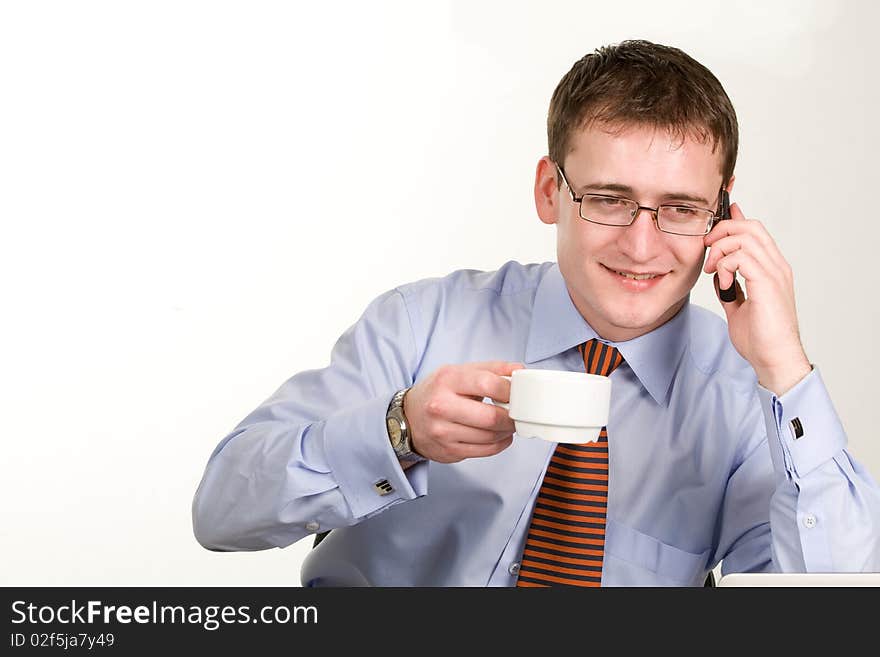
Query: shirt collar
point(556, 326)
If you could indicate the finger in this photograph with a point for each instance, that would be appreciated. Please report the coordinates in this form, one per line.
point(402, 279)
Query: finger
point(745, 264)
point(499, 367)
point(732, 243)
point(478, 382)
point(453, 433)
point(471, 413)
point(724, 228)
point(770, 263)
point(756, 231)
point(470, 451)
point(740, 226)
point(739, 296)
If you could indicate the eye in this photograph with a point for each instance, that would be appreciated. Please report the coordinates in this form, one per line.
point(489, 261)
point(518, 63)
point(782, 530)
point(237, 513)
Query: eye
point(610, 201)
point(684, 212)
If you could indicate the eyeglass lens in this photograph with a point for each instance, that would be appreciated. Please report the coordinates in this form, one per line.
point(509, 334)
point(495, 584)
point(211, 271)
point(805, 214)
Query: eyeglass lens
point(677, 219)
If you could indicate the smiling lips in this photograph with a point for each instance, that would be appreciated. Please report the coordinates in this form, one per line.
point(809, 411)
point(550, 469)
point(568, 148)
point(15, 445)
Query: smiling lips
point(633, 274)
point(635, 280)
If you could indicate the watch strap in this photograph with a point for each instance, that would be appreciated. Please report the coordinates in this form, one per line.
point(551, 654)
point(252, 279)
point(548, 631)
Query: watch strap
point(403, 449)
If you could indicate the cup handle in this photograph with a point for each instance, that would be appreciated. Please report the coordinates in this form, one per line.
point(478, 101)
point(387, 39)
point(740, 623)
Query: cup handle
point(504, 405)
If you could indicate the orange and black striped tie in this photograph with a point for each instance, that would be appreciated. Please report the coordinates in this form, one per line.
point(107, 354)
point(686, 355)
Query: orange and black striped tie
point(565, 543)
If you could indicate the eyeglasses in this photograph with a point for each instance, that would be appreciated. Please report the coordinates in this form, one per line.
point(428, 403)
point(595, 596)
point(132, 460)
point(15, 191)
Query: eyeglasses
point(617, 211)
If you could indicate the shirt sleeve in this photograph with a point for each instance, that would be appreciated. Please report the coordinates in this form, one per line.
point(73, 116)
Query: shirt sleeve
point(824, 507)
point(316, 454)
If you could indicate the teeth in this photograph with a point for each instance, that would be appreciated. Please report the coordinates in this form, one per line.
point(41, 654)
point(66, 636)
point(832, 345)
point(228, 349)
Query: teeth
point(639, 277)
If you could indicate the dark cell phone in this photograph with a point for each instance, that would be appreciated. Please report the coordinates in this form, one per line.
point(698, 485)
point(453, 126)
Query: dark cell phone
point(730, 293)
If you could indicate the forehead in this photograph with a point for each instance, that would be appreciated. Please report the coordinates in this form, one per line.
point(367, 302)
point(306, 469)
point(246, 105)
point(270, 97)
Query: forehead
point(644, 158)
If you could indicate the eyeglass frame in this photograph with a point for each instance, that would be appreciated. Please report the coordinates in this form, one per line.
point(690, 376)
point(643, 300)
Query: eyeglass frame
point(716, 215)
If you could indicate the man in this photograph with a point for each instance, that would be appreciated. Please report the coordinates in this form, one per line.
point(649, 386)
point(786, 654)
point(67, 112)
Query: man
point(722, 443)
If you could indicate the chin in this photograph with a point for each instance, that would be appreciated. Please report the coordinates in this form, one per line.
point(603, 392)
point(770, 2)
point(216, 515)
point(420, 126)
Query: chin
point(639, 316)
point(635, 321)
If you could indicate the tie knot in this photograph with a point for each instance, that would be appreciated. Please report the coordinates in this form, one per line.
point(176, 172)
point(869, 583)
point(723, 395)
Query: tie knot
point(600, 358)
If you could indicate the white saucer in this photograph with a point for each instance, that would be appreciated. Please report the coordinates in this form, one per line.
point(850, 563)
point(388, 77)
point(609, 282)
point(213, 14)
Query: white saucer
point(557, 434)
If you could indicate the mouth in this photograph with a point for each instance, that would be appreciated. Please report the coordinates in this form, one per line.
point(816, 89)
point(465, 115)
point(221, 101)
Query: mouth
point(633, 280)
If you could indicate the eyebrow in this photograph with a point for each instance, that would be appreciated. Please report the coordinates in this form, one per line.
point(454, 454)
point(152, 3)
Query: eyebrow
point(629, 191)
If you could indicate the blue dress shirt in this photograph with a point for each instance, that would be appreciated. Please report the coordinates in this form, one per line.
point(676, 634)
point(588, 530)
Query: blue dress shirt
point(705, 465)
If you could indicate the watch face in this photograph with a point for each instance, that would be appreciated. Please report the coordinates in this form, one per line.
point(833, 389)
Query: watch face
point(394, 431)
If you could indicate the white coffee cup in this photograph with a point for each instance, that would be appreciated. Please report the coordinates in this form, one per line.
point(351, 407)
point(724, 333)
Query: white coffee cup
point(559, 406)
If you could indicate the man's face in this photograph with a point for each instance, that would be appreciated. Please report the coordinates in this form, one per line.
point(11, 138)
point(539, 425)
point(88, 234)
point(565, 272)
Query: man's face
point(651, 167)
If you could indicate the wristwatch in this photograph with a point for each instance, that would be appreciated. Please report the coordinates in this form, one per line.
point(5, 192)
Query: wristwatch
point(398, 429)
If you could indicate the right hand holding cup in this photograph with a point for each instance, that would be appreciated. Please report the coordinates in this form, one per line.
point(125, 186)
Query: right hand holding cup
point(447, 417)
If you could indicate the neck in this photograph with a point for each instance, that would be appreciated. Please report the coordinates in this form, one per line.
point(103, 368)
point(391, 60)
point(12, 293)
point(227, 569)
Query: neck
point(614, 333)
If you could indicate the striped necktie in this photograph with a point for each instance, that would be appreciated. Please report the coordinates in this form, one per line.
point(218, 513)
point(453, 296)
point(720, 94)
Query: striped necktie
point(565, 543)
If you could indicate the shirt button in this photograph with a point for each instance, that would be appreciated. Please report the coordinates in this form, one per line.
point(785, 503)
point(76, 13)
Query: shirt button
point(514, 568)
point(312, 526)
point(809, 521)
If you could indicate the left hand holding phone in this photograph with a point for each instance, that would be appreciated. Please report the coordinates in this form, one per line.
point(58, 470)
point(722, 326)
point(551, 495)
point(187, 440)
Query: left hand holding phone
point(763, 326)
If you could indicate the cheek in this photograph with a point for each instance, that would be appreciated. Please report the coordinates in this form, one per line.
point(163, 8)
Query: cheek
point(582, 241)
point(571, 244)
point(691, 262)
point(689, 256)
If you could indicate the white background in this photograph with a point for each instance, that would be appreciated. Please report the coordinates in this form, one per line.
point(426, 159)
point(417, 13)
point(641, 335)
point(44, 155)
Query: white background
point(198, 198)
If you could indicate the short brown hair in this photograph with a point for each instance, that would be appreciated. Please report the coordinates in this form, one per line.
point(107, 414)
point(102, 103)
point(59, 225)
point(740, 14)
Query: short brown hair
point(643, 83)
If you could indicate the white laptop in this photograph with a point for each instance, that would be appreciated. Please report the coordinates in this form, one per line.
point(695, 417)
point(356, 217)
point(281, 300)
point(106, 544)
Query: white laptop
point(800, 579)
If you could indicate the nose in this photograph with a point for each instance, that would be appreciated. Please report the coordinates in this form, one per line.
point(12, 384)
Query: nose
point(652, 212)
point(642, 239)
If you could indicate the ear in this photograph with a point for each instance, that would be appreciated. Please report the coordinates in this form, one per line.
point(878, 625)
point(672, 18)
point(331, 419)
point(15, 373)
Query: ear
point(547, 191)
point(729, 186)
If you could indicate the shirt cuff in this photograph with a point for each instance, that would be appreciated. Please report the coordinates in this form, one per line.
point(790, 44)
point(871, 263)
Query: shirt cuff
point(363, 462)
point(805, 425)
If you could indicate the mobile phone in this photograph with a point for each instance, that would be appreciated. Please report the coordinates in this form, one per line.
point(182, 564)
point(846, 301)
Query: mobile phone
point(730, 293)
